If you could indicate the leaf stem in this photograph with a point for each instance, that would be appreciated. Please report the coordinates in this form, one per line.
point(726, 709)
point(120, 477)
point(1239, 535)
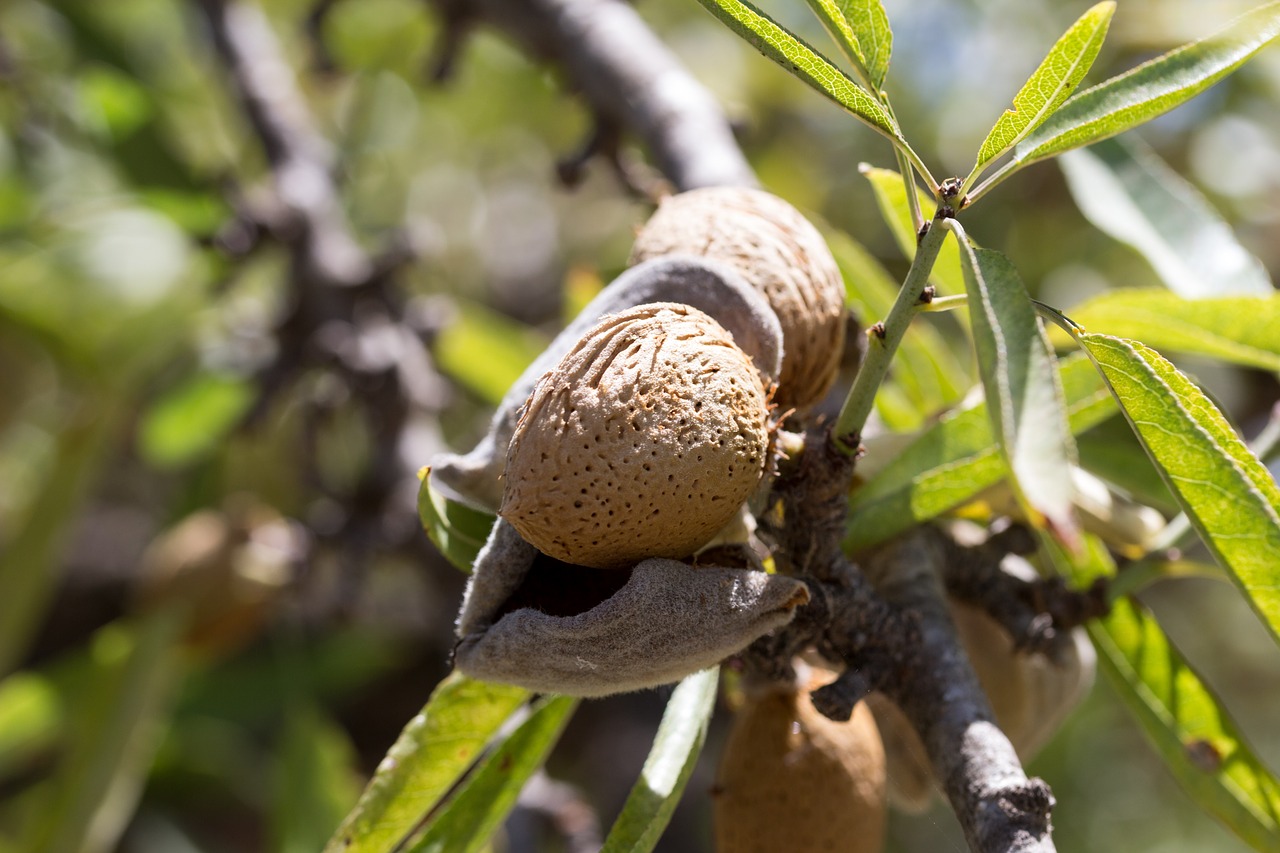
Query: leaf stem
point(886, 336)
point(992, 180)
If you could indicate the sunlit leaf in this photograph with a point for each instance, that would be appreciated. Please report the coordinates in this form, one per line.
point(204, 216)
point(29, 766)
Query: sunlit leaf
point(470, 817)
point(1128, 192)
point(1024, 398)
point(485, 351)
point(927, 375)
point(193, 418)
point(431, 754)
point(1229, 496)
point(1242, 330)
point(457, 530)
point(667, 769)
point(861, 29)
point(891, 197)
point(791, 52)
point(1063, 68)
point(113, 730)
point(952, 461)
point(1186, 723)
point(1151, 89)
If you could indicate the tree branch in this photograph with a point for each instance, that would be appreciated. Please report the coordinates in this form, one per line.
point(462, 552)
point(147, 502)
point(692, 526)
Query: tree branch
point(629, 79)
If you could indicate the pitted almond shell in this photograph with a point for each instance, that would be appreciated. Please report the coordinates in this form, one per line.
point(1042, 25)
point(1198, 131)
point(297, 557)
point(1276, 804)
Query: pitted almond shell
point(791, 779)
point(643, 442)
point(781, 254)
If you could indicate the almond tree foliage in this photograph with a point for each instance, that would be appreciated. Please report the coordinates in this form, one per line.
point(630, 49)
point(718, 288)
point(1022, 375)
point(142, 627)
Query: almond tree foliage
point(263, 260)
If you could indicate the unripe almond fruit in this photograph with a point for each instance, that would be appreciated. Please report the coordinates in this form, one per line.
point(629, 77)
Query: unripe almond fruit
point(791, 779)
point(782, 255)
point(643, 442)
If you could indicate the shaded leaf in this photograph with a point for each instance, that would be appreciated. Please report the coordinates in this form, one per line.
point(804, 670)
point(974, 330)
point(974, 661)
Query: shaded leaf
point(470, 817)
point(791, 52)
point(113, 730)
point(315, 781)
point(486, 351)
point(457, 530)
point(861, 29)
point(1186, 723)
point(1024, 398)
point(1049, 85)
point(431, 754)
point(1112, 452)
point(1129, 193)
point(1242, 330)
point(31, 719)
point(952, 461)
point(891, 197)
point(928, 375)
point(1229, 496)
point(1151, 89)
point(667, 769)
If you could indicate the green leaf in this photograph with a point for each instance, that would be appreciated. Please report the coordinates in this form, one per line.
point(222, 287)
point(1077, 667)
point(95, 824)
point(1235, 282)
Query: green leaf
point(486, 351)
point(1129, 193)
point(1024, 398)
point(793, 54)
point(431, 754)
point(861, 29)
point(1151, 89)
point(1242, 330)
point(667, 769)
point(1068, 61)
point(891, 197)
point(193, 419)
point(1185, 722)
point(470, 817)
point(457, 530)
point(928, 374)
point(114, 728)
point(1111, 451)
point(1228, 495)
point(315, 781)
point(955, 459)
point(31, 719)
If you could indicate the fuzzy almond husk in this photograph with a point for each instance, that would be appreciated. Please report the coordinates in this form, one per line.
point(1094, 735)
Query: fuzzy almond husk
point(791, 779)
point(643, 442)
point(782, 255)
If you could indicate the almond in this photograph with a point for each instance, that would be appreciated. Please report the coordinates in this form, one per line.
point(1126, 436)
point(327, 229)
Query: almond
point(782, 255)
point(791, 779)
point(643, 441)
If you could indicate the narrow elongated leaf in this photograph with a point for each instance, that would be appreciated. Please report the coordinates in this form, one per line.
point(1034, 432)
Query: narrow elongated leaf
point(431, 754)
point(793, 54)
point(1024, 398)
point(470, 817)
point(667, 769)
point(891, 197)
point(1229, 496)
point(1128, 192)
point(114, 729)
point(315, 780)
point(928, 374)
point(1063, 68)
point(1151, 89)
point(457, 530)
point(952, 461)
point(1185, 722)
point(32, 717)
point(861, 29)
point(1242, 330)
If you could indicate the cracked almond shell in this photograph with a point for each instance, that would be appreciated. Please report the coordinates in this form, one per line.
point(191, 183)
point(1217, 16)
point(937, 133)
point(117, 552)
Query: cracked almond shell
point(643, 442)
point(781, 254)
point(791, 779)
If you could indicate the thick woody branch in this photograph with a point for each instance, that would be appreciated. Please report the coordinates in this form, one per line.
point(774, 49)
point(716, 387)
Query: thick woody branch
point(889, 624)
point(630, 80)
